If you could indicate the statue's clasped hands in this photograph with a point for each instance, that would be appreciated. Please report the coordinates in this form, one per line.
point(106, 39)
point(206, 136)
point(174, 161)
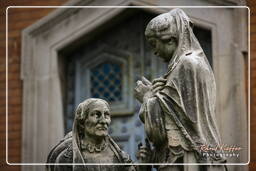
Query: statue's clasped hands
point(145, 89)
point(158, 84)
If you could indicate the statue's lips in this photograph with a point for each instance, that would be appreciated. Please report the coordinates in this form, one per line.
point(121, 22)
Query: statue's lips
point(102, 128)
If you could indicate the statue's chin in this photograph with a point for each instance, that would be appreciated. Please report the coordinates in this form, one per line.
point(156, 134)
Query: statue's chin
point(165, 59)
point(101, 133)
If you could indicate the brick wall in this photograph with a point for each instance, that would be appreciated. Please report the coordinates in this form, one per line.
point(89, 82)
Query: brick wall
point(18, 20)
point(252, 5)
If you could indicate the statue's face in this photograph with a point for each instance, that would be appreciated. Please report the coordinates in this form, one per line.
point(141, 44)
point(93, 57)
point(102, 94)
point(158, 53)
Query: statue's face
point(98, 119)
point(161, 33)
point(163, 48)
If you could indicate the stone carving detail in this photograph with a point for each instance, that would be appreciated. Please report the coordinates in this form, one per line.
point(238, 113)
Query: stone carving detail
point(178, 109)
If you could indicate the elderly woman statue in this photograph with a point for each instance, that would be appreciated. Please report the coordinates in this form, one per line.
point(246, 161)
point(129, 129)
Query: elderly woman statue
point(89, 142)
point(178, 109)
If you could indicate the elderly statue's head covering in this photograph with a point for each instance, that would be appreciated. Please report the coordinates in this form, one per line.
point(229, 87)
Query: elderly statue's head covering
point(81, 113)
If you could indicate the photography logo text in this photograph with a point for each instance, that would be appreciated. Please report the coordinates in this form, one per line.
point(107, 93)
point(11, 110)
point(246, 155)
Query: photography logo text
point(221, 150)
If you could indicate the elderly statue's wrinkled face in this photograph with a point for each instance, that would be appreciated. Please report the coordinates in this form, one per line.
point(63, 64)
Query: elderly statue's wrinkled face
point(164, 48)
point(98, 119)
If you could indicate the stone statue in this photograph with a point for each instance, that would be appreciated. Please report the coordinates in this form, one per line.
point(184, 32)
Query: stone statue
point(178, 109)
point(89, 142)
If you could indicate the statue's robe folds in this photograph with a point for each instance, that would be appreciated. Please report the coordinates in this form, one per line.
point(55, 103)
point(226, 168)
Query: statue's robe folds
point(180, 118)
point(65, 153)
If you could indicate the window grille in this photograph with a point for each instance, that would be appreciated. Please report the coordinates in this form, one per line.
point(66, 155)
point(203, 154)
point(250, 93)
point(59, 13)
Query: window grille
point(106, 82)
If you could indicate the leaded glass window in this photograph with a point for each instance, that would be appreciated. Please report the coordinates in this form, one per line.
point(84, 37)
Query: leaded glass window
point(106, 82)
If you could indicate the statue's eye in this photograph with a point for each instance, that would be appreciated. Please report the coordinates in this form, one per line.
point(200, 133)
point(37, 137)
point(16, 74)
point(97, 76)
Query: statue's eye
point(152, 42)
point(107, 114)
point(166, 40)
point(169, 40)
point(97, 114)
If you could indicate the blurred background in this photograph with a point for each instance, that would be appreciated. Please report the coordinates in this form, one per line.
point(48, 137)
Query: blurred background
point(57, 57)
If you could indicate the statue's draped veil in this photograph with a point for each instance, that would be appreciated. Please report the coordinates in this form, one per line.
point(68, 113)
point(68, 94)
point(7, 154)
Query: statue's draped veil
point(186, 39)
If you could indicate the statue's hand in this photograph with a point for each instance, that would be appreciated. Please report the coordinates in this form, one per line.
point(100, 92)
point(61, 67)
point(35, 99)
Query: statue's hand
point(144, 154)
point(142, 91)
point(158, 84)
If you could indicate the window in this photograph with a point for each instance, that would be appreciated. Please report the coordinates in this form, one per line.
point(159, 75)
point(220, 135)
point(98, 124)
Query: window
point(106, 81)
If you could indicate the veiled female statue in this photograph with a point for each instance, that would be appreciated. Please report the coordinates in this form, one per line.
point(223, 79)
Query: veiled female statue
point(89, 142)
point(178, 109)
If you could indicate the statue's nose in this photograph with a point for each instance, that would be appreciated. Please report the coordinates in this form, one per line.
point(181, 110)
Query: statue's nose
point(103, 119)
